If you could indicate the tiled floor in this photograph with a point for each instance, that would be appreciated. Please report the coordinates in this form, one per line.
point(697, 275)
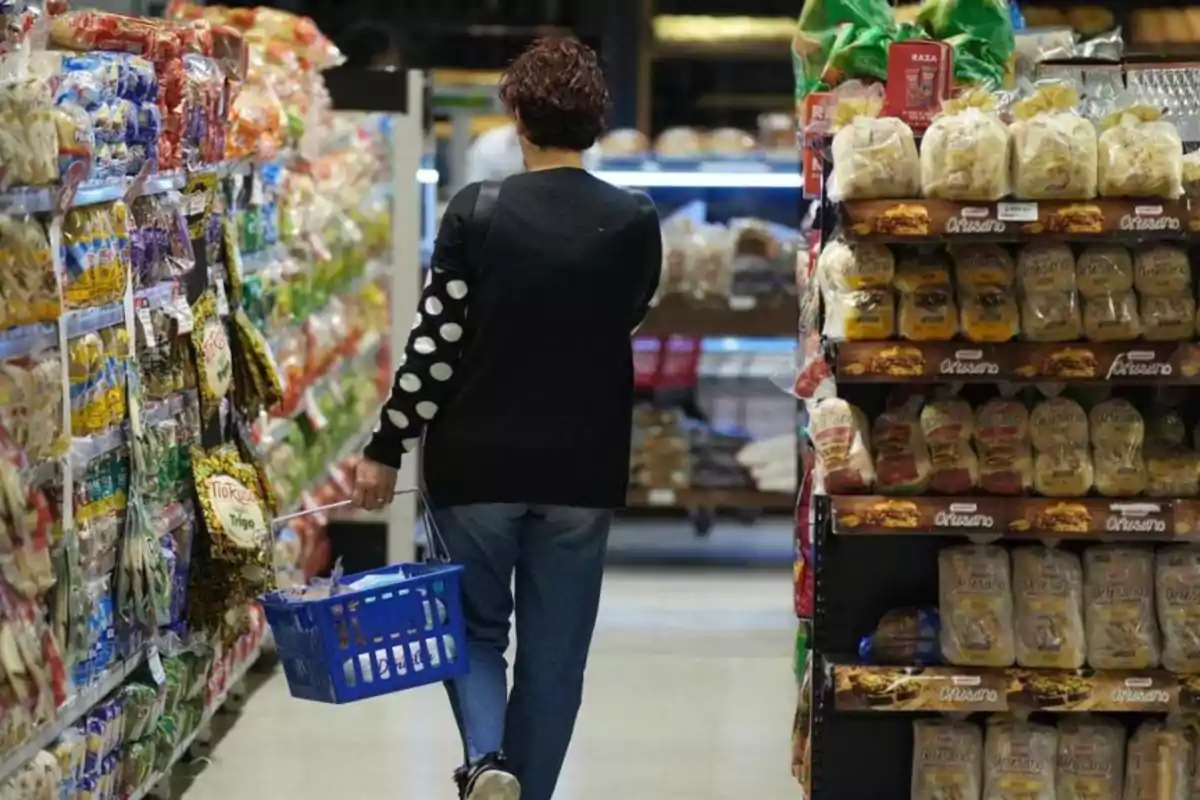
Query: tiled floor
point(689, 696)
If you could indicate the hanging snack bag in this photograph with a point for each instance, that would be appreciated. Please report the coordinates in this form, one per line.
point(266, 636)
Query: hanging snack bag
point(1117, 433)
point(214, 361)
point(902, 463)
point(1058, 430)
point(948, 426)
point(839, 433)
point(1119, 607)
point(1177, 595)
point(947, 760)
point(1019, 760)
point(1091, 758)
point(928, 312)
point(856, 289)
point(976, 606)
point(1002, 441)
point(1156, 766)
point(873, 156)
point(1140, 155)
point(1048, 595)
point(1053, 147)
point(964, 155)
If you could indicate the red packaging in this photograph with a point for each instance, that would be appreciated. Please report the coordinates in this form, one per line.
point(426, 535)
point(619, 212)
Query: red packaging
point(814, 127)
point(920, 76)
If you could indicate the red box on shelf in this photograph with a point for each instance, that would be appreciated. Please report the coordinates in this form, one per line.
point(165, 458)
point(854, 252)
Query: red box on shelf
point(920, 76)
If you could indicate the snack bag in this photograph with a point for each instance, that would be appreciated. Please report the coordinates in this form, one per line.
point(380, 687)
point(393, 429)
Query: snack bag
point(1048, 595)
point(873, 156)
point(902, 462)
point(1054, 148)
point(964, 155)
point(1019, 760)
point(1091, 758)
point(947, 760)
point(214, 361)
point(1119, 609)
point(975, 605)
point(1177, 594)
point(1156, 766)
point(1140, 155)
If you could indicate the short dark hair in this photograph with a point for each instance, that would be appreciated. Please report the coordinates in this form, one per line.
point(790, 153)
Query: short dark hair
point(557, 89)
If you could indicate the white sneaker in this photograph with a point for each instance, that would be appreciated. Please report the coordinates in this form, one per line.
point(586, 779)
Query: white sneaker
point(493, 784)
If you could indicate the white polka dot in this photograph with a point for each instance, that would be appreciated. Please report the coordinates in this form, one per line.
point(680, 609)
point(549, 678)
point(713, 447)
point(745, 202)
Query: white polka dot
point(417, 320)
point(409, 383)
point(433, 306)
point(424, 345)
point(451, 332)
point(410, 444)
point(457, 289)
point(426, 409)
point(403, 358)
point(397, 417)
point(441, 372)
point(378, 427)
point(429, 277)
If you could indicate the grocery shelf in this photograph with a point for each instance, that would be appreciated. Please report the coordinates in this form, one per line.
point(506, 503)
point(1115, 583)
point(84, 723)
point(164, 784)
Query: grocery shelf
point(90, 320)
point(711, 498)
point(69, 713)
point(27, 339)
point(747, 173)
point(43, 199)
point(747, 316)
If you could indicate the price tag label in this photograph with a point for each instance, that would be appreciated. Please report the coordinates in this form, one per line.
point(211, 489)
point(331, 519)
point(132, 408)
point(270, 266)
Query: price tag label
point(1017, 212)
point(661, 497)
point(147, 326)
point(743, 303)
point(154, 660)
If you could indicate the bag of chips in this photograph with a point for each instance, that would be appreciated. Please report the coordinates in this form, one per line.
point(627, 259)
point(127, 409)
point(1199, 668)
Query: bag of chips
point(1139, 155)
point(873, 156)
point(964, 155)
point(214, 360)
point(1054, 148)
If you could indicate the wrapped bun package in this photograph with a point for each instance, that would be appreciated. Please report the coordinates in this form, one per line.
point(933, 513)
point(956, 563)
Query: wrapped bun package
point(1139, 155)
point(964, 155)
point(1053, 147)
point(874, 157)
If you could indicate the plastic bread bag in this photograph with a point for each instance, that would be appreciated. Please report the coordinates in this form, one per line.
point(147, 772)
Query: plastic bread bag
point(1051, 317)
point(1058, 430)
point(902, 464)
point(947, 760)
point(948, 426)
point(841, 439)
point(1168, 317)
point(1156, 765)
point(1177, 599)
point(1140, 155)
point(865, 314)
point(1053, 147)
point(1002, 441)
point(928, 314)
point(856, 265)
point(1091, 758)
point(1191, 174)
point(28, 285)
point(904, 636)
point(1119, 607)
point(1162, 269)
point(1048, 600)
point(1046, 266)
point(1117, 433)
point(711, 268)
point(964, 155)
point(978, 267)
point(1019, 760)
point(1112, 317)
point(873, 156)
point(989, 315)
point(1172, 467)
point(976, 607)
point(1104, 269)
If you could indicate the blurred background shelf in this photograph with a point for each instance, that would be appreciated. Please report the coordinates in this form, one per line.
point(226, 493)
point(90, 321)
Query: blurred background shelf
point(760, 317)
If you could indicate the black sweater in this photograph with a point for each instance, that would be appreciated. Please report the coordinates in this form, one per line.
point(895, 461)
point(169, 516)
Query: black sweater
point(519, 368)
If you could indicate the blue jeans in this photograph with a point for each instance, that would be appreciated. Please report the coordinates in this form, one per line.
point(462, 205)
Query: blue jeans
point(557, 556)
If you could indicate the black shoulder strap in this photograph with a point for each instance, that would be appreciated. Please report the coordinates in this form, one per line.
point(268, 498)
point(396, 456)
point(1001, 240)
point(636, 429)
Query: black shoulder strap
point(481, 218)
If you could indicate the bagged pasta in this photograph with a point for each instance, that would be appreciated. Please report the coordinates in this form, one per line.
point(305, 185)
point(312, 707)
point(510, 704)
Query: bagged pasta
point(1019, 760)
point(1168, 317)
point(948, 426)
point(1119, 607)
point(1103, 269)
point(839, 434)
point(1177, 598)
point(1053, 147)
point(1046, 266)
point(975, 604)
point(947, 760)
point(873, 156)
point(1062, 465)
point(1162, 269)
point(1112, 317)
point(964, 155)
point(1157, 763)
point(902, 464)
point(1139, 155)
point(1048, 603)
point(1051, 317)
point(1002, 441)
point(1091, 758)
point(1117, 433)
point(927, 310)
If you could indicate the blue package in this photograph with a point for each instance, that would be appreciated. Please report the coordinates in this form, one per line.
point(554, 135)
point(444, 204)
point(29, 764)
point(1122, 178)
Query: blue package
point(909, 636)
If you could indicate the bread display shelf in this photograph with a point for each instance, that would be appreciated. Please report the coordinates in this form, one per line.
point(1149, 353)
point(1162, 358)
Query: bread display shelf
point(966, 690)
point(744, 316)
point(1007, 221)
point(711, 498)
point(1119, 362)
point(1124, 519)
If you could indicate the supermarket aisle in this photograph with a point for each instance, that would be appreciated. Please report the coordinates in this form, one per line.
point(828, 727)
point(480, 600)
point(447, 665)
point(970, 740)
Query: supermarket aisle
point(690, 696)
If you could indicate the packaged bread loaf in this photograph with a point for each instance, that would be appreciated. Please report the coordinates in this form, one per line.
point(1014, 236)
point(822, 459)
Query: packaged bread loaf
point(1117, 433)
point(1172, 466)
point(902, 464)
point(1103, 269)
point(1002, 442)
point(947, 760)
point(1062, 466)
point(1019, 760)
point(840, 438)
point(1119, 607)
point(856, 281)
point(873, 156)
point(975, 603)
point(964, 155)
point(982, 266)
point(1156, 764)
point(1091, 758)
point(1161, 269)
point(1177, 598)
point(1168, 317)
point(1048, 600)
point(928, 311)
point(1111, 317)
point(1051, 317)
point(1045, 266)
point(948, 426)
point(1053, 147)
point(1139, 155)
point(984, 275)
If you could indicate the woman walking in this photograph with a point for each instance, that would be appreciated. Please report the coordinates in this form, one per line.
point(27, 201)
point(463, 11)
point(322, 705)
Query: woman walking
point(519, 374)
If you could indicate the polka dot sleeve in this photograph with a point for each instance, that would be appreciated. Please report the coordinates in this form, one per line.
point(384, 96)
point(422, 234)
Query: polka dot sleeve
point(427, 366)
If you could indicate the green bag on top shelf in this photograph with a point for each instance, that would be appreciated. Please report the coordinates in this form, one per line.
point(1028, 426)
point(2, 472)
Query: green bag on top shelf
point(973, 64)
point(834, 27)
point(989, 21)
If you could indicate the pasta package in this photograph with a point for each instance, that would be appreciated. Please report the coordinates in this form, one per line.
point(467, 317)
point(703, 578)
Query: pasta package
point(1091, 758)
point(948, 426)
point(1051, 317)
point(1139, 155)
point(1156, 766)
point(902, 463)
point(1048, 598)
point(1168, 317)
point(964, 155)
point(1112, 317)
point(1046, 266)
point(1019, 760)
point(839, 433)
point(1103, 269)
point(1177, 596)
point(1053, 147)
point(976, 607)
point(947, 760)
point(1117, 433)
point(1119, 607)
point(873, 156)
point(1162, 269)
point(1002, 441)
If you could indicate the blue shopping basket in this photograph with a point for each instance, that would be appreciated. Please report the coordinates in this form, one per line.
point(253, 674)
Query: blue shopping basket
point(358, 644)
